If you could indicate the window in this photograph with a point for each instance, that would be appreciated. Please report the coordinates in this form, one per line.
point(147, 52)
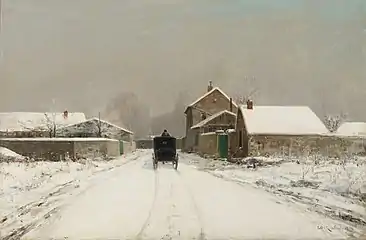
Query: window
point(240, 138)
point(203, 116)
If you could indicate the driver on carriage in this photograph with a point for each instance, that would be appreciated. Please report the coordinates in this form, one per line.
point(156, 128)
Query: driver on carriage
point(165, 133)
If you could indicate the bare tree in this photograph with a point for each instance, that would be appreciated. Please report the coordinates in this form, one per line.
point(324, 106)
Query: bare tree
point(249, 91)
point(333, 122)
point(99, 126)
point(127, 110)
point(51, 124)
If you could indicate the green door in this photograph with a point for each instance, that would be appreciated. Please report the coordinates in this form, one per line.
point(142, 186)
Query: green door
point(121, 147)
point(223, 145)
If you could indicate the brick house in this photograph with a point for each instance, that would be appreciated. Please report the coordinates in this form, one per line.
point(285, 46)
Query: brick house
point(270, 129)
point(210, 103)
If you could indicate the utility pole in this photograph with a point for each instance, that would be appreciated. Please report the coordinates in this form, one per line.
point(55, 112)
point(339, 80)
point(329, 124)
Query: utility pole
point(1, 32)
point(54, 117)
point(99, 126)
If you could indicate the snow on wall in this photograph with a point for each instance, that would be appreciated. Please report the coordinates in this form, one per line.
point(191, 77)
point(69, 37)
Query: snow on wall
point(330, 146)
point(61, 139)
point(56, 149)
point(291, 120)
point(22, 121)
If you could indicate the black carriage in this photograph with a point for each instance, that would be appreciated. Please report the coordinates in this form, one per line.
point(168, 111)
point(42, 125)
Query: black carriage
point(165, 150)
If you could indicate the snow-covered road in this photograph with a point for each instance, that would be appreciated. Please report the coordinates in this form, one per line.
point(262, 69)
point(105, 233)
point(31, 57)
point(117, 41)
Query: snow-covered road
point(136, 202)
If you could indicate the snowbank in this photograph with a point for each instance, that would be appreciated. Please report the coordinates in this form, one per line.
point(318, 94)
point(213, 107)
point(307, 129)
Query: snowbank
point(336, 189)
point(8, 155)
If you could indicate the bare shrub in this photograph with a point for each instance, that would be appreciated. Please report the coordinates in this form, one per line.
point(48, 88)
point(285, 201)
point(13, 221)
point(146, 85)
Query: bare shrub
point(333, 122)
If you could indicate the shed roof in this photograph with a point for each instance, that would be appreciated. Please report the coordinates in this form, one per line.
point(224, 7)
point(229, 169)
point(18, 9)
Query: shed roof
point(352, 129)
point(25, 121)
point(94, 119)
point(207, 120)
point(288, 120)
point(207, 94)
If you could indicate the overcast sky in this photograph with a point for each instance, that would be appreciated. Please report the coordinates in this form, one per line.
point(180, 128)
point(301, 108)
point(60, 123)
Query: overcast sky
point(83, 52)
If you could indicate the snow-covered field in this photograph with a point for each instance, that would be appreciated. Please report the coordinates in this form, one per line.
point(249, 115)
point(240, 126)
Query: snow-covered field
point(126, 199)
point(333, 188)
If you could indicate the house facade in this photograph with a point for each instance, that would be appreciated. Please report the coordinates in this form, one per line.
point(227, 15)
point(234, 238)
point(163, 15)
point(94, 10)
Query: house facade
point(222, 120)
point(212, 102)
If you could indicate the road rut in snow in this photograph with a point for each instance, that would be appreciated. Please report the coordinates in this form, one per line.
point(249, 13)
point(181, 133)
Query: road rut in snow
point(174, 208)
point(34, 214)
point(138, 202)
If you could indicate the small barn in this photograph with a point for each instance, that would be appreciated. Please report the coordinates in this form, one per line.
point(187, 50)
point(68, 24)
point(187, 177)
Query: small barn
point(96, 127)
point(263, 130)
point(35, 124)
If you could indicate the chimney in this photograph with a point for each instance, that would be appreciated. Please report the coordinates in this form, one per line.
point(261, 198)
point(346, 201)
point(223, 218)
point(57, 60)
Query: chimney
point(231, 104)
point(209, 87)
point(249, 104)
point(66, 114)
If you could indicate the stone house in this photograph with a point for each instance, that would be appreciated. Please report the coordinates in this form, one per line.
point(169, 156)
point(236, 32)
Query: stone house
point(206, 130)
point(210, 103)
point(268, 130)
point(35, 124)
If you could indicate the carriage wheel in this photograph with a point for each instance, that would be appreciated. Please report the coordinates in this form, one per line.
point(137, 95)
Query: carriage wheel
point(155, 164)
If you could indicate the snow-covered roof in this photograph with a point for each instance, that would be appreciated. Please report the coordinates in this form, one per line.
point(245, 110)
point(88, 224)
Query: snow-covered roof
point(208, 93)
point(96, 120)
point(207, 120)
point(352, 129)
point(288, 120)
point(23, 121)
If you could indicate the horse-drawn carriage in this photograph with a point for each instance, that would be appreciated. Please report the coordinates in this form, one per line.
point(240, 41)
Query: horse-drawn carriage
point(165, 150)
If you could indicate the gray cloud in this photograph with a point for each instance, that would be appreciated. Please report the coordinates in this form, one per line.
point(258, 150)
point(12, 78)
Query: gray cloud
point(84, 52)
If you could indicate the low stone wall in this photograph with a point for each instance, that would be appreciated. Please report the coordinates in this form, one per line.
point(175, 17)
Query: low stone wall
point(96, 148)
point(190, 141)
point(128, 147)
point(40, 149)
point(56, 149)
point(290, 145)
point(207, 144)
point(233, 142)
